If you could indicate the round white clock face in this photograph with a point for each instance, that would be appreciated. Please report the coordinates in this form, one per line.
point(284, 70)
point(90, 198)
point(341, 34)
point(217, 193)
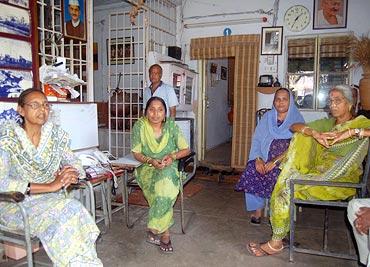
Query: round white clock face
point(297, 18)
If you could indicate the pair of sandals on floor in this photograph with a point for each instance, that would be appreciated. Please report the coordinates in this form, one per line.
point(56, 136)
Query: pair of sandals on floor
point(156, 240)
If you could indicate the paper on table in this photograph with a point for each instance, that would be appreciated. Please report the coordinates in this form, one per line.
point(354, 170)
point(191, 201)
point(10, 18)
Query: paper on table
point(127, 160)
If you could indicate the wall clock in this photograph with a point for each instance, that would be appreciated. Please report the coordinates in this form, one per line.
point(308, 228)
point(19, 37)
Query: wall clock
point(297, 18)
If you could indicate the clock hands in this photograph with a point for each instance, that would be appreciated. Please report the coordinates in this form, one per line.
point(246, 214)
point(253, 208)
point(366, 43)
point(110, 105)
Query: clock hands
point(296, 19)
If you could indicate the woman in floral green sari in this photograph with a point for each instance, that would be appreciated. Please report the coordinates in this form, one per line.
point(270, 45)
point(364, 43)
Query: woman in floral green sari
point(158, 143)
point(328, 150)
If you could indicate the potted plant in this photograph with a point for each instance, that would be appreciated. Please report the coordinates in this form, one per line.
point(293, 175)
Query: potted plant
point(360, 53)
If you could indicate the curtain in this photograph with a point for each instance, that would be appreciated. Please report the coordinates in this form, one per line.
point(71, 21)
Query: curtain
point(245, 49)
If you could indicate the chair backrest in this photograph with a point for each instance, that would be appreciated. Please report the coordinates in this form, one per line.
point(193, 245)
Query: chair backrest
point(187, 127)
point(260, 113)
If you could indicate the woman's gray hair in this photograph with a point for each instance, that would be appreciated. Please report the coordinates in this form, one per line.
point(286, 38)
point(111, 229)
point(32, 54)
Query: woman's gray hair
point(345, 90)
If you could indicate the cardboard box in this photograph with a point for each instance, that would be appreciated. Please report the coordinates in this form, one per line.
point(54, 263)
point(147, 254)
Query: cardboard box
point(17, 252)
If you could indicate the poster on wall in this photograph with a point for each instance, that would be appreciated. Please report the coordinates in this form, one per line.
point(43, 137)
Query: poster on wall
point(13, 82)
point(14, 20)
point(15, 54)
point(330, 14)
point(74, 19)
point(21, 3)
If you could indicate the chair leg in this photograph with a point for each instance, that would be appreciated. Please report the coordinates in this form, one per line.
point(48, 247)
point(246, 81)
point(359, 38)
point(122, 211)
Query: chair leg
point(326, 223)
point(125, 199)
point(266, 209)
point(182, 210)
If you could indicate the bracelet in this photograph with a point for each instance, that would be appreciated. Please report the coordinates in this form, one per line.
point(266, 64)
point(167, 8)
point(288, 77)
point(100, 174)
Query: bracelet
point(303, 129)
point(349, 132)
point(173, 156)
point(28, 189)
point(276, 161)
point(361, 133)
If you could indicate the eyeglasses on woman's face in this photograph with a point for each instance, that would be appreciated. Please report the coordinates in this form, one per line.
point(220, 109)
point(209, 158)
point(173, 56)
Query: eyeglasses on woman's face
point(335, 101)
point(37, 105)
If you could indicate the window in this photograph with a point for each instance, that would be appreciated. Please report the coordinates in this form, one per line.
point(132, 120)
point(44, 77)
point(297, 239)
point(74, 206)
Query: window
point(315, 65)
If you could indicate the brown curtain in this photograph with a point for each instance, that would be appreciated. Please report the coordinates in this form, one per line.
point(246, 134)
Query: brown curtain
point(245, 49)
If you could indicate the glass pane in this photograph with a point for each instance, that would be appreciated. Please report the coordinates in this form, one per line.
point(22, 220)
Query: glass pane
point(302, 87)
point(176, 83)
point(188, 90)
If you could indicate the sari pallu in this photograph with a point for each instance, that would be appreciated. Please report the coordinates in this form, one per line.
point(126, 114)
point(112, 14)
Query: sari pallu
point(307, 159)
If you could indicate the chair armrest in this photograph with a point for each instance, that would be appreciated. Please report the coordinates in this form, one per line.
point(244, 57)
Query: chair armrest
point(185, 161)
point(13, 197)
point(325, 183)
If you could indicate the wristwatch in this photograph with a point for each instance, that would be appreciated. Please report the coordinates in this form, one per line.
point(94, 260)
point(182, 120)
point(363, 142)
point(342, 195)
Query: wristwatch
point(357, 132)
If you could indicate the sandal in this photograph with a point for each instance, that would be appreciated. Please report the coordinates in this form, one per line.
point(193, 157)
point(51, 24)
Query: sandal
point(257, 250)
point(255, 221)
point(153, 238)
point(166, 247)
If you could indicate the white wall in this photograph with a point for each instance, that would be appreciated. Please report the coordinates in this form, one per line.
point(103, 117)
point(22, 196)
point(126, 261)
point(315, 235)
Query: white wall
point(218, 130)
point(357, 21)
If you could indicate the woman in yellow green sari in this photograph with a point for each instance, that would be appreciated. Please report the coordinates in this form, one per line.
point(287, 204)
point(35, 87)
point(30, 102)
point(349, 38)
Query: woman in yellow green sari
point(158, 143)
point(328, 150)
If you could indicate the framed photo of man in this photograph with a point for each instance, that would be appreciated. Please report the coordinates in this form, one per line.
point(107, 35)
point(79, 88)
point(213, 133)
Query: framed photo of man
point(271, 40)
point(330, 14)
point(74, 19)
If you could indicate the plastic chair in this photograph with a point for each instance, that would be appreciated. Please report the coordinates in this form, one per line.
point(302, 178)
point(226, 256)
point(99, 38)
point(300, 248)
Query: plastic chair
point(23, 236)
point(185, 176)
point(361, 191)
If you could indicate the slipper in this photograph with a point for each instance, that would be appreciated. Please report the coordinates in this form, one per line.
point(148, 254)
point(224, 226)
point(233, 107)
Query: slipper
point(255, 221)
point(153, 238)
point(166, 247)
point(257, 250)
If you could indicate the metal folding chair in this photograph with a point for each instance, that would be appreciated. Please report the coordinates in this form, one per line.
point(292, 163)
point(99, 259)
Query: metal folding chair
point(361, 191)
point(23, 237)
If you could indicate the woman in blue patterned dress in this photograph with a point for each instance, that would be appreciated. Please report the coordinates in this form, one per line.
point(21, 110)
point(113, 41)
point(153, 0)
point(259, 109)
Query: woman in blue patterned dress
point(35, 158)
point(270, 141)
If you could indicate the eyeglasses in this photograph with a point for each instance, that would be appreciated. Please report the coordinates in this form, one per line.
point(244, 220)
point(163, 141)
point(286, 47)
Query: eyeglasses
point(335, 101)
point(36, 105)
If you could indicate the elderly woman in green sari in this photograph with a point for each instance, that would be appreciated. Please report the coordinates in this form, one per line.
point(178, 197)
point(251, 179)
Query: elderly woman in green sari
point(158, 143)
point(328, 150)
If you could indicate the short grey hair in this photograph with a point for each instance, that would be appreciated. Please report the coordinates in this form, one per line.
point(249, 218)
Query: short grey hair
point(345, 90)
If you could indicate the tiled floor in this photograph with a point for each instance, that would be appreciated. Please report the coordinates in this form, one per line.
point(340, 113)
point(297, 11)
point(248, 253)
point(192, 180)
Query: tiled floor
point(217, 231)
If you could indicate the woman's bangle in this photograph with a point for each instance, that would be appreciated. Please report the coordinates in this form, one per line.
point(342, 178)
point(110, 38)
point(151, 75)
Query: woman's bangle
point(173, 156)
point(276, 161)
point(303, 129)
point(361, 133)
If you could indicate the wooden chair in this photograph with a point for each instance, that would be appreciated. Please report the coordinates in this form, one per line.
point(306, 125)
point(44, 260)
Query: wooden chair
point(361, 191)
point(185, 176)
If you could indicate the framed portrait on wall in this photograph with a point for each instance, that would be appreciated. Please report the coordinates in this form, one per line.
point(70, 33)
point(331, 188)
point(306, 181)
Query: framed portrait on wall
point(271, 40)
point(74, 19)
point(330, 14)
point(15, 54)
point(21, 3)
point(121, 50)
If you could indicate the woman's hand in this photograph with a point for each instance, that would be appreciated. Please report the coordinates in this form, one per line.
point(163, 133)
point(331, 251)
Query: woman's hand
point(269, 166)
point(167, 160)
point(157, 164)
point(260, 166)
point(340, 136)
point(323, 138)
point(64, 178)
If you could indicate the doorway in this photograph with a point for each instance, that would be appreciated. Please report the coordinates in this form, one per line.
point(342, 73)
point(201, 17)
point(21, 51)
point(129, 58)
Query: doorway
point(218, 103)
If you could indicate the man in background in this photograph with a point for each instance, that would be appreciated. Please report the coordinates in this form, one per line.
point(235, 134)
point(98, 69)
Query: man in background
point(328, 14)
point(75, 27)
point(160, 89)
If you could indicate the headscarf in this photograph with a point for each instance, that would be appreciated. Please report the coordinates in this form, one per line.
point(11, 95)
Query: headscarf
point(267, 129)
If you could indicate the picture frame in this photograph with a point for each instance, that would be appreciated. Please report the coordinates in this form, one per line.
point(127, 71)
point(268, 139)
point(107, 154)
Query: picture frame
point(14, 20)
point(13, 82)
point(330, 14)
point(125, 48)
point(15, 54)
point(74, 11)
point(272, 40)
point(223, 73)
point(20, 3)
